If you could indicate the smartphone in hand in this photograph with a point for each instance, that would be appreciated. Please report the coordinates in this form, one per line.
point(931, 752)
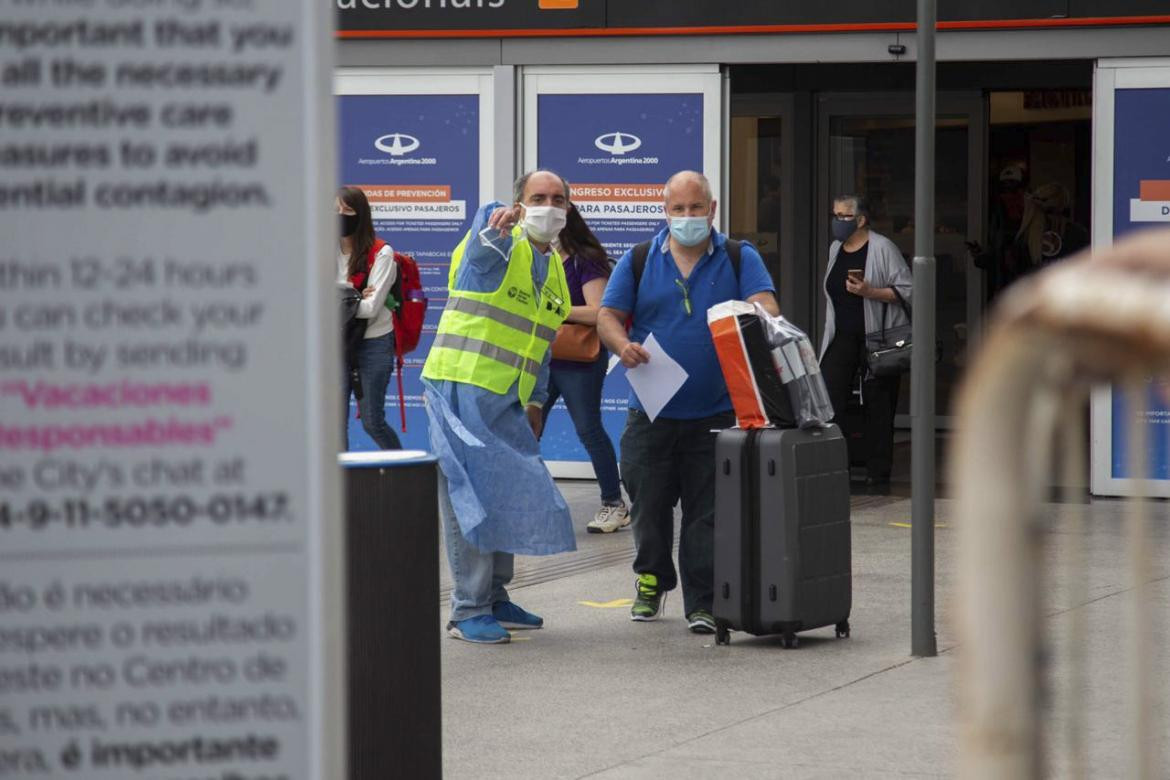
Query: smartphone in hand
point(856, 274)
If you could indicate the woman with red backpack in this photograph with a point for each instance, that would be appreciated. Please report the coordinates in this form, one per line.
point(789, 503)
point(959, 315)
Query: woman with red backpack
point(367, 264)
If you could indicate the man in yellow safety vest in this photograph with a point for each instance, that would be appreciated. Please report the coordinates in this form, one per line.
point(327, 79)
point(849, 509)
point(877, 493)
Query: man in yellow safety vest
point(484, 382)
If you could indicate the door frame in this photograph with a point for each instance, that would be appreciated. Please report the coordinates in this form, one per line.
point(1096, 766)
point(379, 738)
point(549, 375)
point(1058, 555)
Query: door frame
point(791, 290)
point(972, 104)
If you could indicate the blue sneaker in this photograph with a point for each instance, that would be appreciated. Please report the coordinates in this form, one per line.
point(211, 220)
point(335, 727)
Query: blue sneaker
point(481, 629)
point(513, 617)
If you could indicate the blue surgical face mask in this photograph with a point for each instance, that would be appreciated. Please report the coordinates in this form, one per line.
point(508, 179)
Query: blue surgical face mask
point(690, 231)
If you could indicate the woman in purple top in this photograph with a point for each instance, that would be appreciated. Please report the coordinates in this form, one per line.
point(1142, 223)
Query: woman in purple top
point(587, 270)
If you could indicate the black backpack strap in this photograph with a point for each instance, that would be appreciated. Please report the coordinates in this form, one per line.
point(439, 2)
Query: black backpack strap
point(641, 252)
point(734, 249)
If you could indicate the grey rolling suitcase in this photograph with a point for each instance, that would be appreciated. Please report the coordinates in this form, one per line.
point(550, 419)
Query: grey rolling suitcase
point(783, 558)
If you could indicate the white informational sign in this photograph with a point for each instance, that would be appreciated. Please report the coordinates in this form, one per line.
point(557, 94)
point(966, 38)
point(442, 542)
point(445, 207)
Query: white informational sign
point(170, 600)
point(420, 143)
point(1131, 192)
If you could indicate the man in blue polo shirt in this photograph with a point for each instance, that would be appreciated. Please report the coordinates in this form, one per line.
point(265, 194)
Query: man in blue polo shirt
point(687, 271)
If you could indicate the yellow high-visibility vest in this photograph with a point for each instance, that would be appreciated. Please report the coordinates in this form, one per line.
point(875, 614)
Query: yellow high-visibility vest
point(492, 339)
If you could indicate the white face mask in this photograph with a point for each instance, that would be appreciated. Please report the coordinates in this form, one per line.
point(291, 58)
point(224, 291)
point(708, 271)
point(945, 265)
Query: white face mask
point(544, 223)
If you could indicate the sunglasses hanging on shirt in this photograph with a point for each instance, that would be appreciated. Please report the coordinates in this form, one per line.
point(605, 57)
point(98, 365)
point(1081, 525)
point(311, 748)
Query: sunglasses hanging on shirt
point(686, 301)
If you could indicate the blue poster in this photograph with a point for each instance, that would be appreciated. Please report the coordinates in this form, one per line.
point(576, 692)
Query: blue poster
point(1141, 199)
point(617, 151)
point(417, 159)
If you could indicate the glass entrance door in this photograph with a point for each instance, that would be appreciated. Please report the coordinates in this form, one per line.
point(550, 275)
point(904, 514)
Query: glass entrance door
point(866, 147)
point(760, 202)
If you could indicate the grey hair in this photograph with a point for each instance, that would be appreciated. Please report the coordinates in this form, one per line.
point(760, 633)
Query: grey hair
point(860, 205)
point(703, 182)
point(519, 186)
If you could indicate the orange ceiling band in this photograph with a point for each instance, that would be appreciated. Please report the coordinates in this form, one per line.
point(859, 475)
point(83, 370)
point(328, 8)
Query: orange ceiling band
point(764, 29)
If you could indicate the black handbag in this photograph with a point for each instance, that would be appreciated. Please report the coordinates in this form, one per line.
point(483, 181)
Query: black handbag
point(888, 351)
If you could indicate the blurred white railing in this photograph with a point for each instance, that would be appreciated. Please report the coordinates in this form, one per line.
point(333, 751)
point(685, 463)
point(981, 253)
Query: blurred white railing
point(1022, 412)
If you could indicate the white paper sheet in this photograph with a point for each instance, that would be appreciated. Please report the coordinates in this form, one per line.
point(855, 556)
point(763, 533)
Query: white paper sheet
point(656, 382)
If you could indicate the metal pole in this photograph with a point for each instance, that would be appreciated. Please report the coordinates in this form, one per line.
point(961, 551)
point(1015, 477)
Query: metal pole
point(922, 368)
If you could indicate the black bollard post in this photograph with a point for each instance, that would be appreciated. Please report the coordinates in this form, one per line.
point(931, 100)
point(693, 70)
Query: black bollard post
point(392, 565)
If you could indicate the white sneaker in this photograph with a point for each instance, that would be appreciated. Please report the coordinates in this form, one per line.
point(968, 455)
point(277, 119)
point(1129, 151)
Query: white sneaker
point(609, 519)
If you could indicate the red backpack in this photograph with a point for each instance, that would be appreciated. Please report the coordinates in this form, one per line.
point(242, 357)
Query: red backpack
point(408, 304)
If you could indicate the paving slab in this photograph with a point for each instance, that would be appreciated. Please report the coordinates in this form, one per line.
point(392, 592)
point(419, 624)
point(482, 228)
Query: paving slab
point(596, 695)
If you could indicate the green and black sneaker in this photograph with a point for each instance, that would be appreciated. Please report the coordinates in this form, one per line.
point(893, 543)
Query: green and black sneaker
point(648, 599)
point(701, 622)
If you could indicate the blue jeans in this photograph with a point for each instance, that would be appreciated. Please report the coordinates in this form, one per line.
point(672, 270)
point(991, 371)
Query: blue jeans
point(581, 390)
point(663, 462)
point(375, 365)
point(479, 576)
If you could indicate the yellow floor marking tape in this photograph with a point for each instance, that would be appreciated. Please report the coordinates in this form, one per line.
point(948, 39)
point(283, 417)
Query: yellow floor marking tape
point(907, 525)
point(615, 604)
point(521, 638)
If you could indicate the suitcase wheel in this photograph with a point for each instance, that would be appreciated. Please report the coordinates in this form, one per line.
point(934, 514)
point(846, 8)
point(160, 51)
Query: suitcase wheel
point(843, 629)
point(722, 634)
point(789, 641)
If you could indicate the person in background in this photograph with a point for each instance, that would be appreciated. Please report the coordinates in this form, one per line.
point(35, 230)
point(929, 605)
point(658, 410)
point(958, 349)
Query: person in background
point(578, 383)
point(367, 264)
point(1046, 234)
point(485, 382)
point(1008, 205)
point(671, 459)
point(1047, 229)
point(1006, 213)
point(864, 269)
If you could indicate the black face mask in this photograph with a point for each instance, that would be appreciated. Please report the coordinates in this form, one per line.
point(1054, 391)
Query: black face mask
point(349, 224)
point(843, 228)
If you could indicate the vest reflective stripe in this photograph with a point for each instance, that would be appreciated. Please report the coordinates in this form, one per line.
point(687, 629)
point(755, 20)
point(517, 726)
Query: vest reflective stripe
point(507, 357)
point(498, 338)
point(483, 309)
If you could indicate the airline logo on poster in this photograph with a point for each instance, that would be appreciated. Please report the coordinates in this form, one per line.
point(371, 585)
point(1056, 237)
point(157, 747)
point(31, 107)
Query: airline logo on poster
point(618, 145)
point(1152, 203)
point(397, 144)
point(414, 201)
point(398, 149)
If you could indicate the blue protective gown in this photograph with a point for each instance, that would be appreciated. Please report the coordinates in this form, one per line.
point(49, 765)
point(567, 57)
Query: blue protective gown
point(504, 497)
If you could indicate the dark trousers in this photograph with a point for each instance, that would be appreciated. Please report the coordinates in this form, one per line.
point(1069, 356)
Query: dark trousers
point(839, 366)
point(665, 462)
